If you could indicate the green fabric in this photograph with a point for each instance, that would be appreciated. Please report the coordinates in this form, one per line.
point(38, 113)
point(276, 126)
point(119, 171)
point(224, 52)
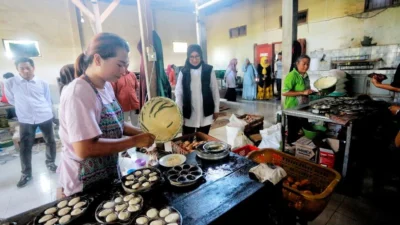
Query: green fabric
point(220, 74)
point(163, 85)
point(294, 82)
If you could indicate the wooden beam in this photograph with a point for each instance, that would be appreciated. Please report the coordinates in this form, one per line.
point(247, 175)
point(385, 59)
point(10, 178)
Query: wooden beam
point(97, 20)
point(83, 8)
point(109, 10)
point(146, 34)
point(207, 4)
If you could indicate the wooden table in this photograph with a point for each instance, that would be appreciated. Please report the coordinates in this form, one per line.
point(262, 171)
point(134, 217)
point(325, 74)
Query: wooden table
point(225, 188)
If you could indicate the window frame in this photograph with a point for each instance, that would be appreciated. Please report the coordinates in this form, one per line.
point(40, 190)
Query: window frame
point(305, 11)
point(183, 50)
point(392, 4)
point(10, 54)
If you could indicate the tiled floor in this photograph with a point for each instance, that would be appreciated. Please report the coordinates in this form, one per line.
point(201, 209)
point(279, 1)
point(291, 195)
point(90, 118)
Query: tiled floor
point(341, 210)
point(41, 190)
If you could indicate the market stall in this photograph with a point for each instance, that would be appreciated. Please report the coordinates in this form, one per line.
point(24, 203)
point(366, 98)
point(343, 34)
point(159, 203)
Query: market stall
point(340, 111)
point(225, 185)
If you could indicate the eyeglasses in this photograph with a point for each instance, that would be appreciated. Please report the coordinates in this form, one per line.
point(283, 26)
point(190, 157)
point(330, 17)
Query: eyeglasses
point(195, 57)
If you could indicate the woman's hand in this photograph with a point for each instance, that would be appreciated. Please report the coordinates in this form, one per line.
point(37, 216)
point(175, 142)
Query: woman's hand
point(394, 109)
point(307, 92)
point(215, 116)
point(374, 81)
point(144, 140)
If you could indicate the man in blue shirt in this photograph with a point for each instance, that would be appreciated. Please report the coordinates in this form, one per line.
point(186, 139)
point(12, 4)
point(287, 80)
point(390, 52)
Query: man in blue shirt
point(31, 98)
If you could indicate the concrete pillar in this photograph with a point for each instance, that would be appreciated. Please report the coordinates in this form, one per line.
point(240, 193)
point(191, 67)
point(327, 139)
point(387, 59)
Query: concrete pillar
point(201, 32)
point(146, 34)
point(289, 28)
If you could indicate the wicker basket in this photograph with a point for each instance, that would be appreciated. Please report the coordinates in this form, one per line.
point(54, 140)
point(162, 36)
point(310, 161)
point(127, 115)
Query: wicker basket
point(308, 206)
point(190, 137)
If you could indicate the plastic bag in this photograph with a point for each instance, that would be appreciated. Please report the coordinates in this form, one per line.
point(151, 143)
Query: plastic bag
point(234, 133)
point(271, 137)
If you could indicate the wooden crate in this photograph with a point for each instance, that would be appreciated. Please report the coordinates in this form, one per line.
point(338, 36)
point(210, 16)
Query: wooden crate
point(253, 127)
point(190, 137)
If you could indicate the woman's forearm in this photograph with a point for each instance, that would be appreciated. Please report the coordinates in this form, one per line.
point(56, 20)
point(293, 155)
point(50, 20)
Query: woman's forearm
point(102, 146)
point(130, 130)
point(292, 93)
point(106, 146)
point(387, 87)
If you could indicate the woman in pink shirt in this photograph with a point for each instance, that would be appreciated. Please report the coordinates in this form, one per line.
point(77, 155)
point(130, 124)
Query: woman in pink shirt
point(91, 120)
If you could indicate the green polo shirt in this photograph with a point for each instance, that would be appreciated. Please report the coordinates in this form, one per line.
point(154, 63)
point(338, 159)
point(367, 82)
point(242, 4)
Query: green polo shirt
point(295, 82)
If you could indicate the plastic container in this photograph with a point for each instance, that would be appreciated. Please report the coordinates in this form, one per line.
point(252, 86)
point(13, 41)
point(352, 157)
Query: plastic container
point(326, 179)
point(311, 134)
point(245, 150)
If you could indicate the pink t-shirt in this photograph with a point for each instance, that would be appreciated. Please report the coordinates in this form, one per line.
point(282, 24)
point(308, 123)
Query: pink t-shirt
point(80, 112)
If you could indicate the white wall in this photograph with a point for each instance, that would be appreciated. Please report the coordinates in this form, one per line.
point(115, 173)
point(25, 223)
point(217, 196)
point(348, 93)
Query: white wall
point(49, 23)
point(53, 24)
point(329, 26)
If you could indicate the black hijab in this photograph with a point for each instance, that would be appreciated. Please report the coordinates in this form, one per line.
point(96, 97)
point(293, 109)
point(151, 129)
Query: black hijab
point(190, 50)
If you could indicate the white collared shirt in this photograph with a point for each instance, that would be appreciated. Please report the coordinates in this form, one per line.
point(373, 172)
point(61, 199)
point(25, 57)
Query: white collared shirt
point(31, 99)
point(197, 118)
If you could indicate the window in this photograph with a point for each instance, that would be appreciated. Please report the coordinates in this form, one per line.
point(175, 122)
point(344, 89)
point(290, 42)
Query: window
point(302, 17)
point(18, 48)
point(379, 4)
point(238, 32)
point(180, 47)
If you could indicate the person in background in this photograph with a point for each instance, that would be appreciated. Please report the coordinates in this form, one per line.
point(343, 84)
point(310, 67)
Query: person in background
point(10, 112)
point(278, 74)
point(67, 75)
point(264, 80)
point(230, 80)
point(31, 98)
point(92, 127)
point(394, 86)
point(3, 93)
point(249, 81)
point(197, 93)
point(126, 89)
point(296, 89)
point(171, 75)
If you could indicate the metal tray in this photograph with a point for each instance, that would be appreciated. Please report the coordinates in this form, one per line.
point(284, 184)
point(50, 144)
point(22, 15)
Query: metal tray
point(211, 156)
point(184, 175)
point(140, 189)
point(173, 210)
point(133, 215)
point(86, 198)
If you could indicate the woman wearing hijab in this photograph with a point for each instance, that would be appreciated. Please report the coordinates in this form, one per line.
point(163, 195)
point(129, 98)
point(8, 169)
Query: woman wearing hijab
point(278, 74)
point(264, 91)
point(171, 75)
point(296, 88)
point(230, 80)
point(197, 93)
point(249, 81)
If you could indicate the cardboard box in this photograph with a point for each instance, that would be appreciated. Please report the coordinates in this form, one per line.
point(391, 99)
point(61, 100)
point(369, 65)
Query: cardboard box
point(306, 149)
point(333, 143)
point(326, 157)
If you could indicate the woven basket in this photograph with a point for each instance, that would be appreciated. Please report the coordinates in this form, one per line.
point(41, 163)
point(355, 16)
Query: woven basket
point(326, 179)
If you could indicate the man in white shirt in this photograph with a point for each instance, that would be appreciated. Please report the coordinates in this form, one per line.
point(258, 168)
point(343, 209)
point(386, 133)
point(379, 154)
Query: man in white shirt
point(31, 98)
